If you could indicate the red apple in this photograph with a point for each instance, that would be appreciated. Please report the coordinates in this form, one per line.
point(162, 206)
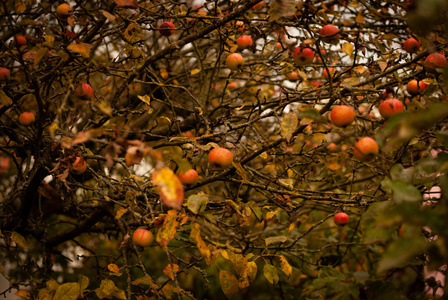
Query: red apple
point(365, 148)
point(411, 45)
point(84, 91)
point(142, 237)
point(435, 61)
point(340, 219)
point(189, 177)
point(234, 61)
point(134, 155)
point(390, 107)
point(244, 42)
point(293, 76)
point(19, 40)
point(415, 87)
point(27, 118)
point(167, 29)
point(330, 34)
point(64, 10)
point(303, 56)
point(220, 157)
point(332, 147)
point(79, 166)
point(4, 74)
point(325, 72)
point(342, 115)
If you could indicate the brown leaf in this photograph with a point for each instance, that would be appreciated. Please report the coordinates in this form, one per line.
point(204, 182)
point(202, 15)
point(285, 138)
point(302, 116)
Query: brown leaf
point(127, 3)
point(83, 49)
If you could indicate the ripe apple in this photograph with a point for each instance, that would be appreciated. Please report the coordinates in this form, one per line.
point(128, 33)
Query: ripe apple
point(340, 219)
point(365, 148)
point(134, 155)
point(244, 42)
point(79, 166)
point(232, 85)
point(189, 177)
point(293, 76)
point(342, 115)
point(325, 73)
point(142, 237)
point(234, 61)
point(4, 74)
point(84, 91)
point(411, 45)
point(330, 34)
point(435, 61)
point(19, 40)
point(63, 10)
point(390, 107)
point(27, 118)
point(303, 56)
point(220, 157)
point(167, 28)
point(415, 87)
point(332, 147)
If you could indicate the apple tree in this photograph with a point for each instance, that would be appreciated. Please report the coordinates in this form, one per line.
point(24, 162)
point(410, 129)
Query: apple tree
point(246, 149)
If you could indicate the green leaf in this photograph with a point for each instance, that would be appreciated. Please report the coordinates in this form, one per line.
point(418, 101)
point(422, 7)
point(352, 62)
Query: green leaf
point(402, 191)
point(229, 283)
point(255, 209)
point(19, 240)
point(271, 273)
point(369, 223)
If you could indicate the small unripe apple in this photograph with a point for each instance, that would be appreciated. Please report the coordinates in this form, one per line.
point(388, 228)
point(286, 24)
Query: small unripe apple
point(390, 107)
point(5, 74)
point(84, 91)
point(189, 177)
point(220, 157)
point(234, 61)
point(435, 61)
point(19, 40)
point(64, 10)
point(340, 219)
point(79, 166)
point(167, 28)
point(244, 42)
point(142, 237)
point(411, 45)
point(27, 118)
point(365, 148)
point(303, 56)
point(330, 34)
point(325, 73)
point(415, 87)
point(342, 115)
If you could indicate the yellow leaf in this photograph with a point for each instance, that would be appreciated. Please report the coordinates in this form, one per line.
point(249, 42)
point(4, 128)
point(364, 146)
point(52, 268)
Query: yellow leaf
point(270, 273)
point(49, 39)
point(168, 230)
point(19, 240)
point(108, 290)
point(113, 268)
point(170, 270)
point(4, 100)
point(275, 239)
point(195, 234)
point(347, 48)
point(359, 18)
point(289, 125)
point(40, 55)
point(104, 108)
point(229, 283)
point(248, 276)
point(239, 262)
point(360, 69)
point(110, 17)
point(195, 71)
point(197, 203)
point(20, 7)
point(121, 212)
point(239, 168)
point(170, 188)
point(383, 65)
point(23, 293)
point(285, 266)
point(146, 280)
point(83, 49)
point(67, 291)
point(133, 33)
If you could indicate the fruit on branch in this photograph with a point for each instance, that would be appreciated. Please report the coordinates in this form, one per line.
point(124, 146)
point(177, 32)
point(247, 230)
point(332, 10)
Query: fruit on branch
point(79, 166)
point(134, 155)
point(64, 10)
point(330, 34)
point(341, 218)
point(435, 61)
point(27, 118)
point(411, 45)
point(84, 91)
point(189, 177)
point(142, 237)
point(415, 87)
point(220, 157)
point(244, 42)
point(342, 115)
point(365, 148)
point(232, 85)
point(293, 76)
point(325, 73)
point(390, 107)
point(234, 61)
point(167, 28)
point(5, 74)
point(19, 40)
point(332, 147)
point(303, 56)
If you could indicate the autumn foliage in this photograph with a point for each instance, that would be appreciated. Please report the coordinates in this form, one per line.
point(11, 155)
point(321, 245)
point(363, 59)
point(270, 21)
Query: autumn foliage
point(224, 149)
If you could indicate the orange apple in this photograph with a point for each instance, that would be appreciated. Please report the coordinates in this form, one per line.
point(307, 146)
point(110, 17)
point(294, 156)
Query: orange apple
point(167, 29)
point(19, 40)
point(330, 34)
point(142, 237)
point(415, 87)
point(64, 10)
point(411, 45)
point(341, 218)
point(244, 42)
point(365, 148)
point(232, 85)
point(293, 76)
point(325, 73)
point(303, 56)
point(27, 118)
point(79, 166)
point(84, 91)
point(234, 61)
point(435, 61)
point(5, 74)
point(342, 115)
point(390, 107)
point(332, 147)
point(189, 177)
point(220, 157)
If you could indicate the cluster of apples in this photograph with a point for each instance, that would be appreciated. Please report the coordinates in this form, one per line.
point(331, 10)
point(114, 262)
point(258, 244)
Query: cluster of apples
point(235, 61)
